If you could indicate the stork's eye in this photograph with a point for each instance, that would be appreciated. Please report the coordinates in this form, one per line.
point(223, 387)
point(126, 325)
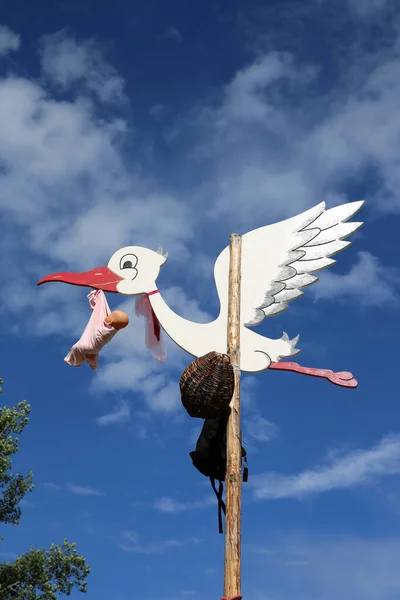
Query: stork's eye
point(129, 261)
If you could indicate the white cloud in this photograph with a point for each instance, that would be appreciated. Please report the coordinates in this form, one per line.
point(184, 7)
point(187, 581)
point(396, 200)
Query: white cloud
point(9, 40)
point(358, 467)
point(165, 399)
point(182, 303)
point(153, 548)
point(249, 388)
point(310, 568)
point(51, 486)
point(156, 110)
point(343, 147)
point(246, 98)
point(173, 34)
point(276, 194)
point(170, 506)
point(256, 428)
point(27, 503)
point(82, 490)
point(64, 177)
point(275, 145)
point(128, 364)
point(277, 149)
point(68, 62)
point(368, 283)
point(121, 414)
point(260, 429)
point(365, 8)
point(252, 137)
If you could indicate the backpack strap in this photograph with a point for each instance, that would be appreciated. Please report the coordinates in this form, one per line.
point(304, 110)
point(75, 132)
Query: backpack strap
point(221, 503)
point(245, 470)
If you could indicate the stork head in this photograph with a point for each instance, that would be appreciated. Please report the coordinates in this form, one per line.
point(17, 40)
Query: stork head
point(131, 270)
point(137, 268)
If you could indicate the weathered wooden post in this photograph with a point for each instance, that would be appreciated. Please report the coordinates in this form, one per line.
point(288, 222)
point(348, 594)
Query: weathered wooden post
point(233, 480)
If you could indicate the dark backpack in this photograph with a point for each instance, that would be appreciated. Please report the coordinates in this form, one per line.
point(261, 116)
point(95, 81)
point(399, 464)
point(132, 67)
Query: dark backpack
point(210, 457)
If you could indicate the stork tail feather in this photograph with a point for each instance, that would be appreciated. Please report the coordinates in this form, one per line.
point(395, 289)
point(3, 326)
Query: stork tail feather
point(290, 344)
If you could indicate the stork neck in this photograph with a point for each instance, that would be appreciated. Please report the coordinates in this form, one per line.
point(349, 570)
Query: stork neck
point(195, 338)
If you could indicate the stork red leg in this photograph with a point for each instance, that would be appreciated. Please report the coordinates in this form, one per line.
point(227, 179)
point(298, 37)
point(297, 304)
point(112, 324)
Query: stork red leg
point(343, 378)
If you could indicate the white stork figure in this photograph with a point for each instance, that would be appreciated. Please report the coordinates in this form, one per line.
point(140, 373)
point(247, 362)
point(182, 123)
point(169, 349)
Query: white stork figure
point(277, 262)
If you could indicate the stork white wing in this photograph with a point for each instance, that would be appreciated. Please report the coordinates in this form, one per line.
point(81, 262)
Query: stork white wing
point(278, 260)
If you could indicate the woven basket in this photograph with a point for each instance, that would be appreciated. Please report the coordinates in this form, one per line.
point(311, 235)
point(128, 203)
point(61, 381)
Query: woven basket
point(207, 385)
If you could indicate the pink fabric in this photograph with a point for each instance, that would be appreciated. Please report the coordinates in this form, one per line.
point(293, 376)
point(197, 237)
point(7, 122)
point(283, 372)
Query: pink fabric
point(153, 328)
point(96, 334)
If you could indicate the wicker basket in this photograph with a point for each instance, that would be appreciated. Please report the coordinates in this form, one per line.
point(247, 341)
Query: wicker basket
point(207, 385)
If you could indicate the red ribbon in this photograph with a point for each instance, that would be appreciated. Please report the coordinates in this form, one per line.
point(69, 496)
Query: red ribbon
point(153, 327)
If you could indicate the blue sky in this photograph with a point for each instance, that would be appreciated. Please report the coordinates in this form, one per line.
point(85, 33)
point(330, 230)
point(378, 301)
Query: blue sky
point(175, 124)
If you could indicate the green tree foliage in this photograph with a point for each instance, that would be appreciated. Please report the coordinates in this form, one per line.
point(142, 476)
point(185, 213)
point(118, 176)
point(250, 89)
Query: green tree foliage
point(44, 574)
point(13, 486)
point(36, 574)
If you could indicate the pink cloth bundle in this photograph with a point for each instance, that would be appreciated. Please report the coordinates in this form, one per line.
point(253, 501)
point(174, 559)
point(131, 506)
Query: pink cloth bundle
point(97, 333)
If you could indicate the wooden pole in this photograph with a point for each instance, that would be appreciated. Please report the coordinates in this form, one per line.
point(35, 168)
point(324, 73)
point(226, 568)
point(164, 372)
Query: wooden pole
point(232, 569)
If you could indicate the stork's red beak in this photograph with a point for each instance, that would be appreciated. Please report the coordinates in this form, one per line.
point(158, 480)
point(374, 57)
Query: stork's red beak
point(99, 279)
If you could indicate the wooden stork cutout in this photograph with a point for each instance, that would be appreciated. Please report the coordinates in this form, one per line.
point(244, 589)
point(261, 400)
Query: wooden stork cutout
point(256, 275)
point(277, 262)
